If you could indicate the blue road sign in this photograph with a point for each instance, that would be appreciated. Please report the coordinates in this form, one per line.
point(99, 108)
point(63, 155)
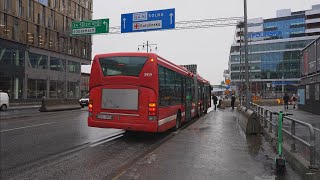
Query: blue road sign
point(228, 87)
point(148, 21)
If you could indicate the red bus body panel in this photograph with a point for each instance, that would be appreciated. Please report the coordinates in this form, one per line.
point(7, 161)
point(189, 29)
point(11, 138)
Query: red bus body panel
point(147, 85)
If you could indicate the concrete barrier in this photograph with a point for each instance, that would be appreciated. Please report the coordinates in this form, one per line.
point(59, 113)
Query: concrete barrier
point(48, 105)
point(227, 103)
point(248, 120)
point(261, 102)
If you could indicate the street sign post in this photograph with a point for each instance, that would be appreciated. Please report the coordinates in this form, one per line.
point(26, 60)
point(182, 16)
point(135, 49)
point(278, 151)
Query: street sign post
point(97, 26)
point(148, 21)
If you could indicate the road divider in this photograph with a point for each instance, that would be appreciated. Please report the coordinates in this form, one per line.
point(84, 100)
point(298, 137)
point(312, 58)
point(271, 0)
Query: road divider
point(48, 105)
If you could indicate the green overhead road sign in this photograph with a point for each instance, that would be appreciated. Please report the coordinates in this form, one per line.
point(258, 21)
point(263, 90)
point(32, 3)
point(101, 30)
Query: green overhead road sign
point(97, 26)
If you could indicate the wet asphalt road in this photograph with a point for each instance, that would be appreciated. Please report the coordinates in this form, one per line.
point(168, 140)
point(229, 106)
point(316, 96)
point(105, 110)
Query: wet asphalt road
point(28, 136)
point(61, 146)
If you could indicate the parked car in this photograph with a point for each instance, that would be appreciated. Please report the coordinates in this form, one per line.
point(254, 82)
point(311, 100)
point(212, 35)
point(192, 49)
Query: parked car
point(4, 101)
point(84, 101)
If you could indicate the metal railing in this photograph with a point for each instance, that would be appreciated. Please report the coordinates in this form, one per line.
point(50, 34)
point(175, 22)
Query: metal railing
point(269, 119)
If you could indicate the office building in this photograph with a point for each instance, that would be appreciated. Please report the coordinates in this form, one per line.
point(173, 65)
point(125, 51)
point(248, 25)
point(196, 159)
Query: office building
point(309, 89)
point(85, 78)
point(38, 56)
point(274, 51)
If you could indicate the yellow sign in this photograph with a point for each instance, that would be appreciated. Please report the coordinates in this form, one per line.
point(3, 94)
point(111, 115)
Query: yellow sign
point(226, 92)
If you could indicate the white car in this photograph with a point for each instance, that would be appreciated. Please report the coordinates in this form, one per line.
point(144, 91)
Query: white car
point(4, 101)
point(84, 101)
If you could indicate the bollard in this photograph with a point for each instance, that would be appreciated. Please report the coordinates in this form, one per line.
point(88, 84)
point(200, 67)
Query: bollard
point(265, 118)
point(293, 132)
point(280, 159)
point(270, 126)
point(312, 150)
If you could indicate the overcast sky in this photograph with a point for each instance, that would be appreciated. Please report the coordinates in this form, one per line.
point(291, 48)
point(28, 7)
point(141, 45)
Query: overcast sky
point(208, 48)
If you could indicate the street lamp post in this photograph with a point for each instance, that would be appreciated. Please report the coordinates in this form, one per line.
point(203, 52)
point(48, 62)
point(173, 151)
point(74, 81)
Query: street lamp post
point(148, 46)
point(246, 55)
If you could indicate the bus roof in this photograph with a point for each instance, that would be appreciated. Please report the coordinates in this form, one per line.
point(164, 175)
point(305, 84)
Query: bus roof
point(169, 64)
point(125, 54)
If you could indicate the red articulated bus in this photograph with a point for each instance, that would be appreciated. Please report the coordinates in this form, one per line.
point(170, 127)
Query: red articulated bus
point(144, 92)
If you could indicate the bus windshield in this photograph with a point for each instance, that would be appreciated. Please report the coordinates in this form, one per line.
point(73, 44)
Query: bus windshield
point(122, 65)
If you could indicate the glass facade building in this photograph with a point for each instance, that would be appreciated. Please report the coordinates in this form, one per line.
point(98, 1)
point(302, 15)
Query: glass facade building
point(38, 57)
point(274, 47)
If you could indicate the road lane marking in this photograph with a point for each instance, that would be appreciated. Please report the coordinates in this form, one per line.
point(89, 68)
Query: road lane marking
point(26, 127)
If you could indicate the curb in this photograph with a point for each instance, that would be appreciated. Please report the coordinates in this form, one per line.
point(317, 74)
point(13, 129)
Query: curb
point(22, 108)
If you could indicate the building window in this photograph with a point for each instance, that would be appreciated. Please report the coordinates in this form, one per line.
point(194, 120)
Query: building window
point(73, 90)
point(74, 67)
point(57, 64)
point(30, 9)
point(11, 56)
point(12, 85)
point(38, 61)
point(44, 2)
point(36, 88)
point(16, 33)
point(19, 6)
point(53, 91)
point(43, 19)
point(7, 5)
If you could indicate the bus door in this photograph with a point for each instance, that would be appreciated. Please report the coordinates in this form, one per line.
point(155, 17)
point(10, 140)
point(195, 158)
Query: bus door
point(187, 97)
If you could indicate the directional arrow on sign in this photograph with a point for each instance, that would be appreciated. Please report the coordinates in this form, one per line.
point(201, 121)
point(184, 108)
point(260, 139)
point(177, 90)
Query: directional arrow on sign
point(171, 15)
point(106, 24)
point(124, 23)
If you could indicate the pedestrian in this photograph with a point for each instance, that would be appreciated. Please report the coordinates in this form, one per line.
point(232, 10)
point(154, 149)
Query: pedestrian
point(286, 101)
point(215, 101)
point(233, 100)
point(294, 99)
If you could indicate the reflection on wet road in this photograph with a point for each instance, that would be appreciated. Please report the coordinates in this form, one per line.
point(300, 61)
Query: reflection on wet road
point(28, 139)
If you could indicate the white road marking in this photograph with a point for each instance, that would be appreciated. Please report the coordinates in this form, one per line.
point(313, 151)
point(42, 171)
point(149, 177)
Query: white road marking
point(26, 127)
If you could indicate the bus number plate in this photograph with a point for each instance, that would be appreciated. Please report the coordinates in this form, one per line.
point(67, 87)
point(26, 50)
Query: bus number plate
point(105, 116)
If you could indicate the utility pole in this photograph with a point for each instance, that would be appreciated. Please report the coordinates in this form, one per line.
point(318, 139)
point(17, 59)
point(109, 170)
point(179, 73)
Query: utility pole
point(148, 46)
point(246, 55)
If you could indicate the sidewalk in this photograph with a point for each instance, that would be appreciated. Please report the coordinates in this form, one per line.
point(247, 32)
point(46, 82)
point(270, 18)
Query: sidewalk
point(214, 147)
point(301, 115)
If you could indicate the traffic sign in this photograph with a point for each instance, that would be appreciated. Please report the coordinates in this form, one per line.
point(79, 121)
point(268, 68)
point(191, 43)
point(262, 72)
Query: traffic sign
point(228, 81)
point(148, 21)
point(226, 92)
point(97, 26)
point(228, 87)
